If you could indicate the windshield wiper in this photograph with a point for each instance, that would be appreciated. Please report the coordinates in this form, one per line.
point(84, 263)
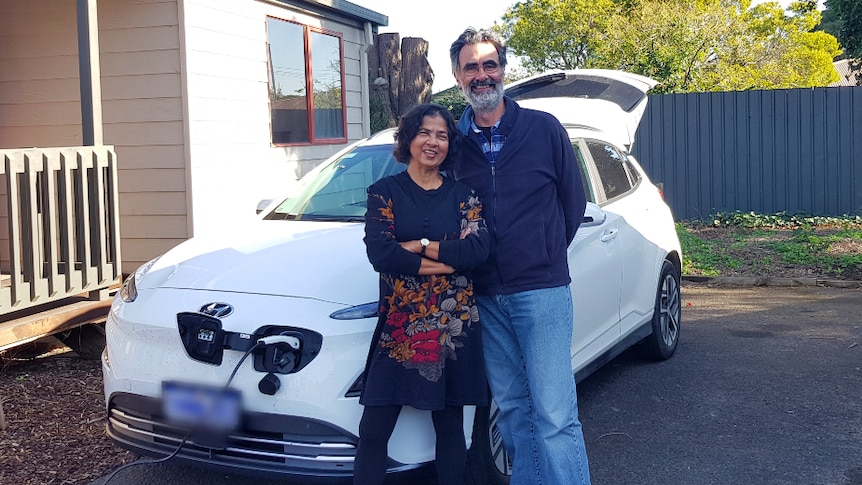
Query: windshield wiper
point(324, 217)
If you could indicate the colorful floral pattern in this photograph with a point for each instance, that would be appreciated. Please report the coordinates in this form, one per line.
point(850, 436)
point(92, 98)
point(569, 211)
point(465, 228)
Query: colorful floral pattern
point(426, 316)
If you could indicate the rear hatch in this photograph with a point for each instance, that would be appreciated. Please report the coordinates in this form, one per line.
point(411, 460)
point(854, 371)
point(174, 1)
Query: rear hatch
point(561, 93)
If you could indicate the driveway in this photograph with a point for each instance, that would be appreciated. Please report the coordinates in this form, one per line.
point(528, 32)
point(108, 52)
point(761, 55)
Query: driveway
point(765, 388)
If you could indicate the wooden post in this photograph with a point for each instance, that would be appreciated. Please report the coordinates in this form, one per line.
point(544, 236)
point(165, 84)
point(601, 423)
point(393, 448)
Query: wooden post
point(2, 416)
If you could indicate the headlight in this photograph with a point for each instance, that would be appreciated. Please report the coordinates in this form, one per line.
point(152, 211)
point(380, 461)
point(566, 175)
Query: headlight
point(366, 310)
point(129, 290)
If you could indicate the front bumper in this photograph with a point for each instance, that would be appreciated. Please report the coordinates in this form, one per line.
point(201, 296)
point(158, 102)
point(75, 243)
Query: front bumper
point(265, 444)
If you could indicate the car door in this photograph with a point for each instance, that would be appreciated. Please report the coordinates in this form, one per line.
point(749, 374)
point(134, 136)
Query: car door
point(596, 269)
point(636, 254)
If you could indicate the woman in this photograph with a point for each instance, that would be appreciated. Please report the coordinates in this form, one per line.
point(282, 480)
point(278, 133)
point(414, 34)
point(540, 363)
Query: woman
point(423, 231)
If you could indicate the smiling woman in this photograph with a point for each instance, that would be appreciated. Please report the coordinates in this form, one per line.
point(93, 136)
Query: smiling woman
point(424, 232)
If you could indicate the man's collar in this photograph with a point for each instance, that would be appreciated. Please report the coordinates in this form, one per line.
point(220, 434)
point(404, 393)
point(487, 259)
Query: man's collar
point(476, 129)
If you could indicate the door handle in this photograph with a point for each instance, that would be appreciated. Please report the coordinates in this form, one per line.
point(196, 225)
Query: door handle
point(610, 234)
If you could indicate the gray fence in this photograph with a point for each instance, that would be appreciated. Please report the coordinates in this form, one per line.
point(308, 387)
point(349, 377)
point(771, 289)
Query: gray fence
point(796, 150)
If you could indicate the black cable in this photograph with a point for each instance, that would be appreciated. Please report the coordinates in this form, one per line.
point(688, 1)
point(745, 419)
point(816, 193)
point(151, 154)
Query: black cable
point(186, 437)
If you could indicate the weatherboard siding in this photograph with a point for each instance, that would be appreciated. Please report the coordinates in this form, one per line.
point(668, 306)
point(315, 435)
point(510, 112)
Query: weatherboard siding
point(144, 120)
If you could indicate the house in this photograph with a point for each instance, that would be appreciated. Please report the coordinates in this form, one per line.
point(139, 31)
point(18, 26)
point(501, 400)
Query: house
point(185, 115)
point(848, 77)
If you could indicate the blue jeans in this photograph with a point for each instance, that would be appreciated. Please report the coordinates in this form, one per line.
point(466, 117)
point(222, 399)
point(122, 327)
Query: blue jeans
point(527, 342)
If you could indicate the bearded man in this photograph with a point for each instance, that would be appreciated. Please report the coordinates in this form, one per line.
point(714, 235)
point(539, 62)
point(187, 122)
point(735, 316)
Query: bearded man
point(523, 166)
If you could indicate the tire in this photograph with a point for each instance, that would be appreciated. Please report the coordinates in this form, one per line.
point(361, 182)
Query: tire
point(667, 316)
point(88, 341)
point(487, 460)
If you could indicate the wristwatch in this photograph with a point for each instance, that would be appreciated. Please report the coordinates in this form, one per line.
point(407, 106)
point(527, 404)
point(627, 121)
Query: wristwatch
point(424, 242)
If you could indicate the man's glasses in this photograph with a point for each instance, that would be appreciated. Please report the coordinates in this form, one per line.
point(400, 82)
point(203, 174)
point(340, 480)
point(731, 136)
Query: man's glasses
point(490, 67)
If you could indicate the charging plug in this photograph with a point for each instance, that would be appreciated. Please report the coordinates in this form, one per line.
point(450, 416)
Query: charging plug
point(280, 339)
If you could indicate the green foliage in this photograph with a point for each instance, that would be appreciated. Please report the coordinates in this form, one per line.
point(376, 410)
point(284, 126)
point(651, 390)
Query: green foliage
point(688, 46)
point(756, 243)
point(808, 248)
point(379, 119)
point(452, 99)
point(671, 42)
point(782, 219)
point(557, 34)
point(843, 19)
point(701, 257)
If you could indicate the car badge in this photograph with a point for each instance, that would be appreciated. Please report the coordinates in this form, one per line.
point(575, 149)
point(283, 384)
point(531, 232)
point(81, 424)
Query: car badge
point(217, 310)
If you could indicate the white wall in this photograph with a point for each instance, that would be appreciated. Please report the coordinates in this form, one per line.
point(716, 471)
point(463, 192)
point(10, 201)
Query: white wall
point(232, 162)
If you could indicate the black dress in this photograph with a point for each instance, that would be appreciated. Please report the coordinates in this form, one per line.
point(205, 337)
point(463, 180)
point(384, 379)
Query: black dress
point(427, 348)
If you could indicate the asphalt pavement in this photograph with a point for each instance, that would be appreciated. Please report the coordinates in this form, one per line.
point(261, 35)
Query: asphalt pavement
point(765, 388)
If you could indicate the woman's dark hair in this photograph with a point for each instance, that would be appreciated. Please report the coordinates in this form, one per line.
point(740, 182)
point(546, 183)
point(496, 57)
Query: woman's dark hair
point(408, 128)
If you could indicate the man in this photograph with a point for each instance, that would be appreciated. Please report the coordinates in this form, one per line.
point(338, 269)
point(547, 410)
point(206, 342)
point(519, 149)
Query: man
point(522, 164)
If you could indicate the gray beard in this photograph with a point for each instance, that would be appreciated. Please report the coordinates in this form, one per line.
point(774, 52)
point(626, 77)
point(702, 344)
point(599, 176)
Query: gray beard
point(487, 101)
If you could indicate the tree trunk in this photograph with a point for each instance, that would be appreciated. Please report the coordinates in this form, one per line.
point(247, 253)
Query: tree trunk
point(416, 74)
point(401, 78)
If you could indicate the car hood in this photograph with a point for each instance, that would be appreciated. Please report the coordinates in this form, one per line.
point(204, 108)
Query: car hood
point(320, 260)
point(599, 99)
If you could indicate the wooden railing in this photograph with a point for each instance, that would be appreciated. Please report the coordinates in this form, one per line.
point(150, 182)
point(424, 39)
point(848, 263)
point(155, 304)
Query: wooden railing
point(61, 236)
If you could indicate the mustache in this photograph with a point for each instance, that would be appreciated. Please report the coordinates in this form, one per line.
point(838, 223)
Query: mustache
point(487, 82)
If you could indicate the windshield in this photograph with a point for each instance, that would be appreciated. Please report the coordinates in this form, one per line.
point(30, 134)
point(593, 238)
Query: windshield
point(337, 192)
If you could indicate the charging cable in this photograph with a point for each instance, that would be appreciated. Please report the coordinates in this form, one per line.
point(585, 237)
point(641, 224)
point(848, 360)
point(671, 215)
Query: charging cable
point(288, 338)
point(260, 343)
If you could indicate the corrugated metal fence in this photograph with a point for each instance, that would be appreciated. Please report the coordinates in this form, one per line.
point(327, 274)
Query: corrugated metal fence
point(796, 150)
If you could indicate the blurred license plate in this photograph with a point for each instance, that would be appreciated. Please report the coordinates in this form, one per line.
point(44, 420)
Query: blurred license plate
point(200, 406)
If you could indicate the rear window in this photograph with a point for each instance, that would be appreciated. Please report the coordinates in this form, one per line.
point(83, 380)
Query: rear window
point(616, 173)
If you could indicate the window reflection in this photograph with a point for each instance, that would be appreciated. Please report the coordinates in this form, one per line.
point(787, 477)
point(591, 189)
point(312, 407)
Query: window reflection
point(292, 72)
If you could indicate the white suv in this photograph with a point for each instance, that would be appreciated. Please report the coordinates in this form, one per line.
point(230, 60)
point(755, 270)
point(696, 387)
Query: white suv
point(247, 351)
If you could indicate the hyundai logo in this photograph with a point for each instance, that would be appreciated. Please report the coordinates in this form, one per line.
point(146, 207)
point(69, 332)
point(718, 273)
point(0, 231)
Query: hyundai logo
point(217, 310)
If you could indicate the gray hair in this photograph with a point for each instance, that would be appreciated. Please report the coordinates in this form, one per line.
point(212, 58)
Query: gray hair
point(473, 36)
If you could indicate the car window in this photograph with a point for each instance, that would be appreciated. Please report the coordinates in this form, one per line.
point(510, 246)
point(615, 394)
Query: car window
point(582, 165)
point(338, 191)
point(613, 171)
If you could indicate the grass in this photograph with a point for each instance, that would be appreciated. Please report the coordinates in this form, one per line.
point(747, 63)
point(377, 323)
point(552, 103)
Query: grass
point(776, 245)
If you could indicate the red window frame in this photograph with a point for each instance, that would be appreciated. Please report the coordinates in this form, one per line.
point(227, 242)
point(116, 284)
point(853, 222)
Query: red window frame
point(313, 139)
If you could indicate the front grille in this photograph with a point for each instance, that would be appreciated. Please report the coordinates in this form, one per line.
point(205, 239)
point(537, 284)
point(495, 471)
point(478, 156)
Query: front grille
point(270, 443)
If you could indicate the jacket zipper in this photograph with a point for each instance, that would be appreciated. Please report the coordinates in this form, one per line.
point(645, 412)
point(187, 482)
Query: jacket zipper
point(496, 207)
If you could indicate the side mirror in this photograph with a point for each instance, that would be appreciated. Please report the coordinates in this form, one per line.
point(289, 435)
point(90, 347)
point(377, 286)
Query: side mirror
point(263, 204)
point(593, 215)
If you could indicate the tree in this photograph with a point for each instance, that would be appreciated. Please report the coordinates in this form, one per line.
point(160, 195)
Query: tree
point(667, 40)
point(556, 34)
point(767, 49)
point(687, 45)
point(843, 19)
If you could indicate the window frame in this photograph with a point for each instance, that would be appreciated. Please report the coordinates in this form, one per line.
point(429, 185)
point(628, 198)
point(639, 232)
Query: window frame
point(307, 31)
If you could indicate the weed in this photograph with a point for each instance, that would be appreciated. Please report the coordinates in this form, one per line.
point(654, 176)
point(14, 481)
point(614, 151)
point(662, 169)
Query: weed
point(702, 257)
point(782, 244)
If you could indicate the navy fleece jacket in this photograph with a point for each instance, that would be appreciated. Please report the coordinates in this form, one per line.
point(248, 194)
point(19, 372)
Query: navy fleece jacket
point(533, 200)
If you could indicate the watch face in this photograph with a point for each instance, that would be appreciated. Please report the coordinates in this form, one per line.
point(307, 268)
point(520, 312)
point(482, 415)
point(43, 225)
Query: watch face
point(424, 241)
